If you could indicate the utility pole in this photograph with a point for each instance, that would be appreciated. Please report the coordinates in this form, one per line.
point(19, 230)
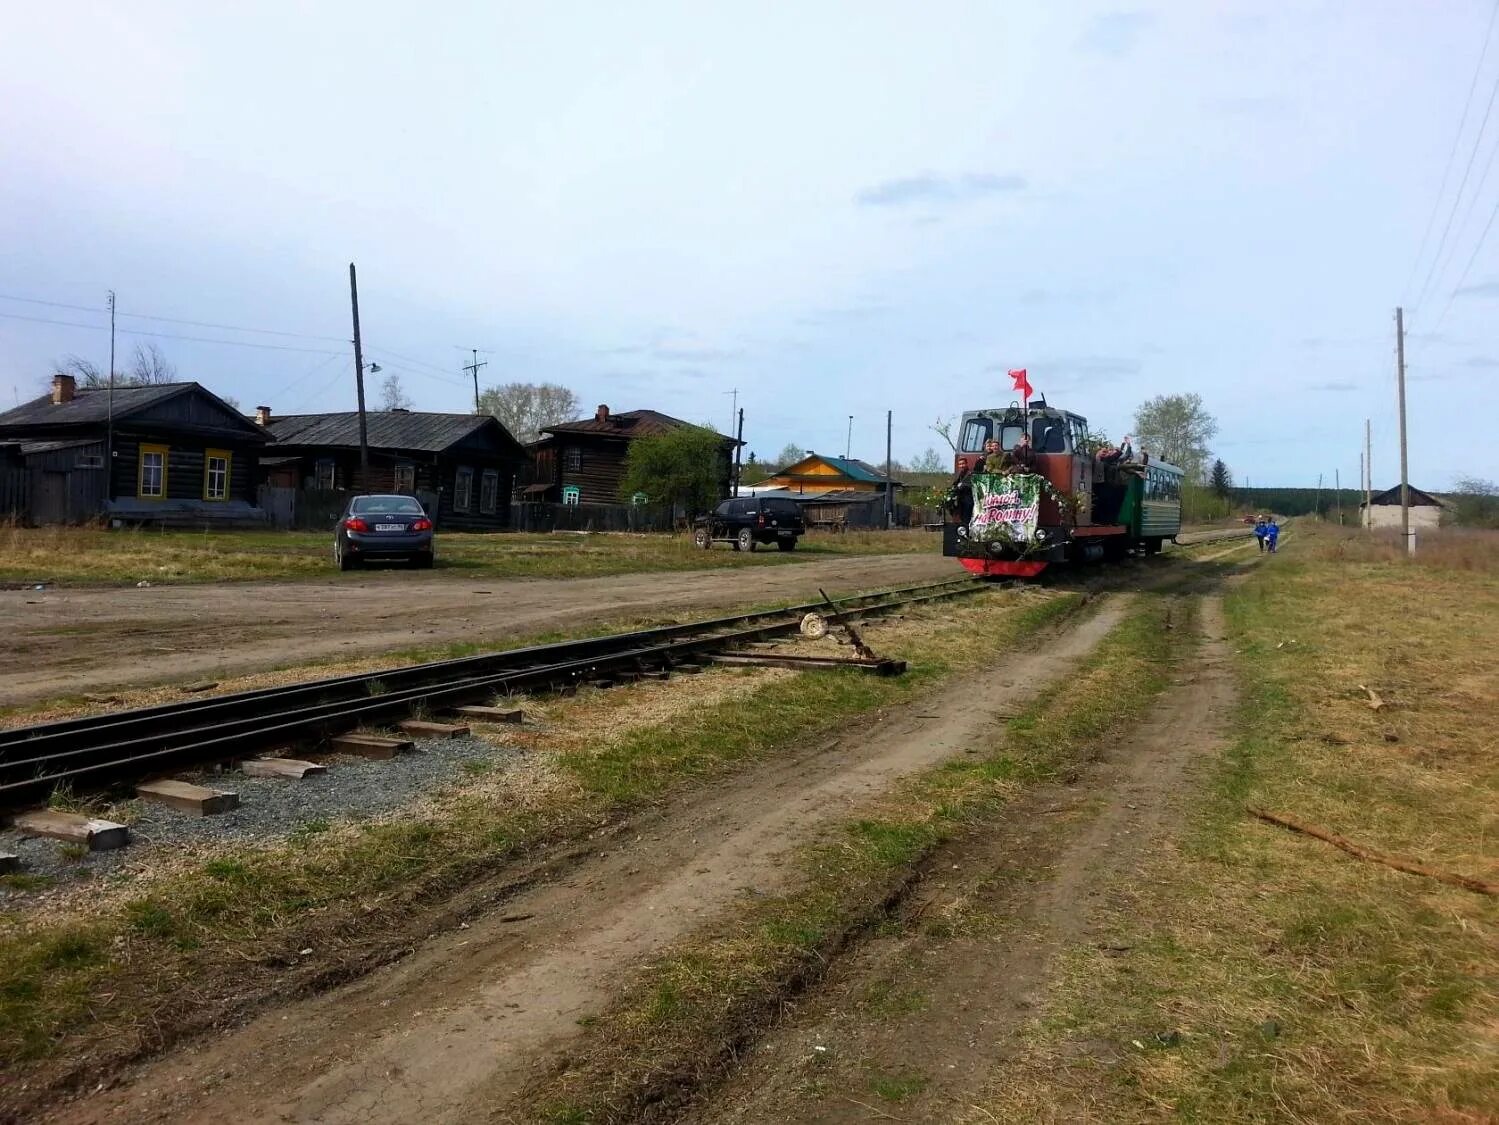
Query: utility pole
point(738, 449)
point(364, 435)
point(1337, 484)
point(109, 407)
point(1361, 482)
point(1405, 483)
point(889, 489)
point(1368, 477)
point(848, 444)
point(1319, 496)
point(473, 369)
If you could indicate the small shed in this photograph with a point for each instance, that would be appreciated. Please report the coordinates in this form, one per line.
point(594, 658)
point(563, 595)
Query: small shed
point(1383, 509)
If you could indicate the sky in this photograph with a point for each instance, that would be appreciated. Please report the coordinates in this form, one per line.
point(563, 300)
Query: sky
point(832, 209)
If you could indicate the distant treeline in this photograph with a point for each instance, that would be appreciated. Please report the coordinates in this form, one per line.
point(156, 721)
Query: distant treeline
point(1299, 501)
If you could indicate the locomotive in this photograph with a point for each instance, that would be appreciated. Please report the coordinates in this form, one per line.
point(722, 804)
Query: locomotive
point(1073, 504)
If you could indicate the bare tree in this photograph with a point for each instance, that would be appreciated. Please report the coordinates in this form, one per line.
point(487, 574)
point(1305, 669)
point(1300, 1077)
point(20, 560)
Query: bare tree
point(85, 371)
point(149, 366)
point(392, 395)
point(790, 454)
point(525, 409)
point(930, 461)
point(942, 427)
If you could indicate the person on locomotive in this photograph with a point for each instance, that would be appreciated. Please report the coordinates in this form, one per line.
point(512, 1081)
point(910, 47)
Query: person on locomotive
point(1022, 459)
point(993, 460)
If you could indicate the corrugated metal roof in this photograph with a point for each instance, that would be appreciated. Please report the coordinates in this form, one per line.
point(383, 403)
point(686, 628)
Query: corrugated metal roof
point(387, 429)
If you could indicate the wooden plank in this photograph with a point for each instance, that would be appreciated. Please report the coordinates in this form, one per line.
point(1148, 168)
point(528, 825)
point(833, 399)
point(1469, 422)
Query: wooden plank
point(9, 861)
point(423, 729)
point(490, 714)
point(371, 746)
point(186, 797)
point(99, 835)
point(294, 768)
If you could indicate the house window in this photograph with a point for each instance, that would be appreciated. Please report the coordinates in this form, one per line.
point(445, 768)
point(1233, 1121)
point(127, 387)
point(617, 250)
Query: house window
point(489, 491)
point(570, 494)
point(216, 474)
point(572, 459)
point(405, 478)
point(463, 490)
point(153, 472)
point(322, 476)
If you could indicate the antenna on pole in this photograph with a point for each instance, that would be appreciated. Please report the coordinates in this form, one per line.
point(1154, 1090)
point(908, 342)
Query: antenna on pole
point(473, 369)
point(848, 443)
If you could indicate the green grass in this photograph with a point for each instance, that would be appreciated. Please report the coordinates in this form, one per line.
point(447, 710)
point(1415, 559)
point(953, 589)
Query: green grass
point(716, 987)
point(89, 556)
point(1305, 984)
point(238, 918)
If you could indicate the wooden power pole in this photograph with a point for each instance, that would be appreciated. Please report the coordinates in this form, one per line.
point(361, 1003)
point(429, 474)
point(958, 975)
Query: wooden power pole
point(889, 490)
point(738, 447)
point(364, 434)
point(473, 369)
point(1337, 487)
point(1368, 476)
point(1405, 483)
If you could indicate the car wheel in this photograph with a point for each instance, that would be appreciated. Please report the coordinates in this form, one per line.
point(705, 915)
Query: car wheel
point(342, 557)
point(787, 544)
point(701, 538)
point(746, 540)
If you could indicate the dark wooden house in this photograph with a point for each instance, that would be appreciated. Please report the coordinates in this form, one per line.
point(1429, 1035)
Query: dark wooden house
point(583, 462)
point(461, 466)
point(172, 454)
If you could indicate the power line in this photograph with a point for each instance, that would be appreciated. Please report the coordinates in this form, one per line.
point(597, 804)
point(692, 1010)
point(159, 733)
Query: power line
point(1436, 204)
point(418, 362)
point(1473, 257)
point(174, 320)
point(169, 335)
point(1457, 199)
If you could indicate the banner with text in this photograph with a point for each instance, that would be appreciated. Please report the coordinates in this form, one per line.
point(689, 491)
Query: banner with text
point(1005, 508)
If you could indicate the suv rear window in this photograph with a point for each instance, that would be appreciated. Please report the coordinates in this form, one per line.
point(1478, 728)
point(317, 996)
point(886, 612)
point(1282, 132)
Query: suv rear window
point(780, 507)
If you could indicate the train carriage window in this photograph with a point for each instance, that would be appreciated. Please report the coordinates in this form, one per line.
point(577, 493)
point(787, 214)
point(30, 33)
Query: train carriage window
point(976, 431)
point(1049, 435)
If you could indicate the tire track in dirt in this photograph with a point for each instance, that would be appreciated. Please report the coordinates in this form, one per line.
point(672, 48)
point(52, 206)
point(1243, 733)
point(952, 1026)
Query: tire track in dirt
point(939, 1004)
point(448, 1033)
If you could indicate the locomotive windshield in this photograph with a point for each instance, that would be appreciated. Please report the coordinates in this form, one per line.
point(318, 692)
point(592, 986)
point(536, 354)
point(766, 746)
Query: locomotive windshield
point(1048, 434)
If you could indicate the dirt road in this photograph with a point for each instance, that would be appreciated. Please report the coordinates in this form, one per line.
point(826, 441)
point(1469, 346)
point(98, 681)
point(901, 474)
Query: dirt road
point(450, 1032)
point(934, 1007)
point(67, 642)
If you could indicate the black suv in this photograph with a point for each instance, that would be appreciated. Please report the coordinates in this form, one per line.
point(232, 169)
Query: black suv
point(752, 520)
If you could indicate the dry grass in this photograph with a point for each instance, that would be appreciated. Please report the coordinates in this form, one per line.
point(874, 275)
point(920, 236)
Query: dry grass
point(1447, 549)
point(1305, 985)
point(100, 976)
point(92, 556)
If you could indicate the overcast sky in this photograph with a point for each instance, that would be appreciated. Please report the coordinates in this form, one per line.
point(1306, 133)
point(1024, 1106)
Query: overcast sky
point(836, 208)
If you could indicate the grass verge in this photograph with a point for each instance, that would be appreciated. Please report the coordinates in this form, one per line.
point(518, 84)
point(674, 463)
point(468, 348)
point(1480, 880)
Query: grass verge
point(1299, 984)
point(106, 983)
point(690, 1012)
point(90, 556)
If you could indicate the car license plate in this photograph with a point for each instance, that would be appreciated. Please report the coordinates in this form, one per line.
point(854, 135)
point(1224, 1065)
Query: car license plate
point(786, 534)
point(390, 527)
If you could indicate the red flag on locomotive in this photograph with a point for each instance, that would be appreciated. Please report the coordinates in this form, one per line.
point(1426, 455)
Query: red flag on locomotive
point(1022, 384)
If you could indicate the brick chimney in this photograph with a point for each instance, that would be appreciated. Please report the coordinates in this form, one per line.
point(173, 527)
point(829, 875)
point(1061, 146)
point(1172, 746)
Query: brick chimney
point(62, 388)
point(602, 413)
point(262, 415)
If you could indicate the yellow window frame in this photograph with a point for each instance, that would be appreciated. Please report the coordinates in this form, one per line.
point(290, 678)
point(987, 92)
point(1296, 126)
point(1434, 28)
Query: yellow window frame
point(140, 471)
point(209, 456)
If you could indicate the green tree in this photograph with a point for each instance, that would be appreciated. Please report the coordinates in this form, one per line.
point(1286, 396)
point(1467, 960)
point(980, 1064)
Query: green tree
point(683, 468)
point(1475, 503)
point(1222, 483)
point(1176, 429)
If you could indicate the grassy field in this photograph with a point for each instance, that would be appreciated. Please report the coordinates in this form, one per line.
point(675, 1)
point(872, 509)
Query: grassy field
point(104, 971)
point(1302, 984)
point(88, 556)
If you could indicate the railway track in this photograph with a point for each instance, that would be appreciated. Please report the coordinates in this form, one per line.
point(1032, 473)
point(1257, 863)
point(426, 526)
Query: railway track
point(97, 751)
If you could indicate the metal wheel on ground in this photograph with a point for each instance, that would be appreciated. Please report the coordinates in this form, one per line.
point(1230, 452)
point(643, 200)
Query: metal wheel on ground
point(701, 538)
point(745, 541)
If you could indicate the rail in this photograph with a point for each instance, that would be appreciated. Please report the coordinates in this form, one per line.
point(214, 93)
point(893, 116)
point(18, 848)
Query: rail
point(98, 750)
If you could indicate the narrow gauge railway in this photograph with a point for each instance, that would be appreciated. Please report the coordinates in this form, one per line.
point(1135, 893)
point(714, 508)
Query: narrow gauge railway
point(99, 750)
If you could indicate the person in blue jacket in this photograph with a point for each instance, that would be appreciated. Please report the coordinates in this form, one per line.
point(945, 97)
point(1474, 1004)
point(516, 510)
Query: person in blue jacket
point(1259, 532)
point(1272, 534)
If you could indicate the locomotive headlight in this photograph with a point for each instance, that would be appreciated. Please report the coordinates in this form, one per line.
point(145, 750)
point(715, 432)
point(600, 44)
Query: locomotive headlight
point(1041, 534)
